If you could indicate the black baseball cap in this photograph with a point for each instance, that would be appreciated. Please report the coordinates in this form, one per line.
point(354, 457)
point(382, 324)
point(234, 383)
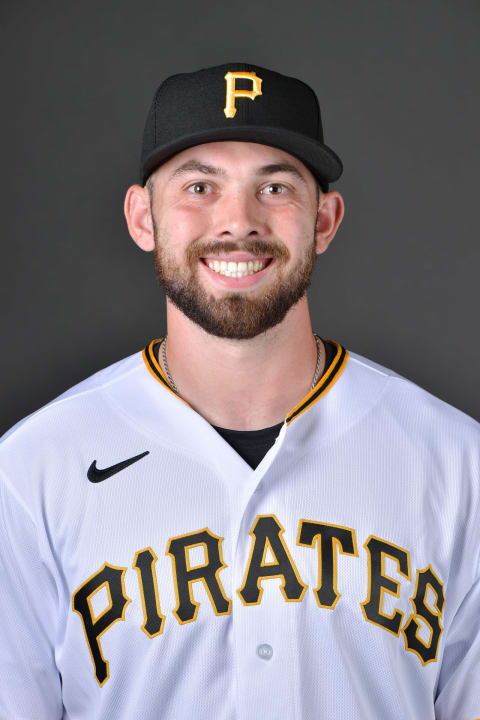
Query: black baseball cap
point(237, 101)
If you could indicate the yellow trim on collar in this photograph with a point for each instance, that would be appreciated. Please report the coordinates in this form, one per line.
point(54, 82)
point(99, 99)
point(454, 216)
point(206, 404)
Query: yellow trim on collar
point(327, 380)
point(155, 368)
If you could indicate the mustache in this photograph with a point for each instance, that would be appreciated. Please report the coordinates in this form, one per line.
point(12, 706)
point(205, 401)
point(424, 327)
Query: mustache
point(254, 246)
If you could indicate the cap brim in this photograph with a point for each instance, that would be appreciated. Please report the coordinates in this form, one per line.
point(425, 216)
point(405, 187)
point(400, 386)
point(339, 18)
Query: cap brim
point(322, 161)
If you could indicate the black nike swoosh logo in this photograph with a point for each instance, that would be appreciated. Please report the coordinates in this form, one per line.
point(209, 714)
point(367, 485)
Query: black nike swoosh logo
point(96, 475)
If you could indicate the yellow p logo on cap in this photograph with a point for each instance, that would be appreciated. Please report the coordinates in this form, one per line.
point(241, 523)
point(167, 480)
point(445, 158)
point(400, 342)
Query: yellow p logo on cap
point(232, 93)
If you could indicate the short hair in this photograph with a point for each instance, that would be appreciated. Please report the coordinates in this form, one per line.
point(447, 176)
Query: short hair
point(149, 186)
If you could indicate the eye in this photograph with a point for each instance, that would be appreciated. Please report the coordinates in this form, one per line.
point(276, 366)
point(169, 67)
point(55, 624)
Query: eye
point(196, 186)
point(281, 189)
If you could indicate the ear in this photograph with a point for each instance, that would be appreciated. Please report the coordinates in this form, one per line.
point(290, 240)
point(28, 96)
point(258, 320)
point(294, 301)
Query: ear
point(139, 219)
point(331, 210)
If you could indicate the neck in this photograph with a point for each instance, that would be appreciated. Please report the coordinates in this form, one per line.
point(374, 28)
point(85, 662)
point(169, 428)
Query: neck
point(243, 384)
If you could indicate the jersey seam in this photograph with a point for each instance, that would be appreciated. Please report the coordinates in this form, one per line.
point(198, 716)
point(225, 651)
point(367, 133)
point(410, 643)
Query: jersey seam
point(392, 375)
point(324, 443)
point(477, 573)
point(10, 488)
point(60, 400)
point(8, 547)
point(140, 427)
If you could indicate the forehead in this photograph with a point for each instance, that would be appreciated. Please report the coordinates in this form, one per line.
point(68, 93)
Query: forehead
point(233, 156)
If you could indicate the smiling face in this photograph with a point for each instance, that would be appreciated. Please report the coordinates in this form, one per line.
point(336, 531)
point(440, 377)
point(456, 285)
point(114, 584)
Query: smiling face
point(234, 231)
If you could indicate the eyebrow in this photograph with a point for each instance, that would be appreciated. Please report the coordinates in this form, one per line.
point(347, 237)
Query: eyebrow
point(281, 168)
point(271, 169)
point(196, 166)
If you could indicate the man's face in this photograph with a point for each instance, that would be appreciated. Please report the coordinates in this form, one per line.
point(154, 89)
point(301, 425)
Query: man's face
point(222, 202)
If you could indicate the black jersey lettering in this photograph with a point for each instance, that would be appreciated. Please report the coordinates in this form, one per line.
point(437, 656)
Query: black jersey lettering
point(267, 535)
point(426, 651)
point(144, 564)
point(379, 582)
point(184, 575)
point(112, 579)
point(330, 538)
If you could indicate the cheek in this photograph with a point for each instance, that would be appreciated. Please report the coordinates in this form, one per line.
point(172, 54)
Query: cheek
point(184, 225)
point(294, 228)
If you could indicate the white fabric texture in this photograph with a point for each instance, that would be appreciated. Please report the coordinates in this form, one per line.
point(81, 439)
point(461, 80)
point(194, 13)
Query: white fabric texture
point(376, 459)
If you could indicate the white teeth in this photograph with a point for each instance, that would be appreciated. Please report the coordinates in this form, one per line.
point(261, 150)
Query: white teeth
point(233, 269)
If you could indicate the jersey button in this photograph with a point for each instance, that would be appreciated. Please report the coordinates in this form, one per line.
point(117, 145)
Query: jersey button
point(265, 651)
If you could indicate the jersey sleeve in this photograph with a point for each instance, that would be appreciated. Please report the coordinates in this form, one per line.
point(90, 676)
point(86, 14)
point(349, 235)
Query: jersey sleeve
point(30, 685)
point(458, 690)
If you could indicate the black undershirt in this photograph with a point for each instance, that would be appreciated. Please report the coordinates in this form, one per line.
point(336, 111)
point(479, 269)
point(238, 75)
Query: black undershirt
point(253, 445)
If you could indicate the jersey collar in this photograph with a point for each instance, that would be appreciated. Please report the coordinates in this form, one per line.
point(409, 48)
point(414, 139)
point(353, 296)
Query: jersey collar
point(325, 382)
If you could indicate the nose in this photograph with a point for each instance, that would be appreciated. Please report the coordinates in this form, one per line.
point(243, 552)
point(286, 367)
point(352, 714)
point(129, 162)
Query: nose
point(238, 215)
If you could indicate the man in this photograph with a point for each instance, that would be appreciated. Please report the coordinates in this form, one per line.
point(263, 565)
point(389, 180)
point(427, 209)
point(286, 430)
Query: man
point(246, 520)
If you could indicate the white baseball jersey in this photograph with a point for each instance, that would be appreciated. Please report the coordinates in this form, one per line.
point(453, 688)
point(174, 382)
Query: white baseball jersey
point(147, 571)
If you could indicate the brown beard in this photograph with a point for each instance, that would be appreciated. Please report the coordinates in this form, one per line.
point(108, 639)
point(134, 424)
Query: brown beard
point(237, 315)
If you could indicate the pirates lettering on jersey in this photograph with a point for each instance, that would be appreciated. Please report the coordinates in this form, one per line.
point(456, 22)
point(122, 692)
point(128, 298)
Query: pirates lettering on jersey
point(267, 536)
point(112, 579)
point(184, 575)
point(427, 652)
point(329, 539)
point(144, 564)
point(379, 583)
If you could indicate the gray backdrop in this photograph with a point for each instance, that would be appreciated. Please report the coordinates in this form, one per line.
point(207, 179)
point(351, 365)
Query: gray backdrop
point(398, 86)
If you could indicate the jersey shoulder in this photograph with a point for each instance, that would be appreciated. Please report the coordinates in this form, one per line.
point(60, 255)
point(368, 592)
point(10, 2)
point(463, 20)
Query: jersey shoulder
point(406, 399)
point(85, 392)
